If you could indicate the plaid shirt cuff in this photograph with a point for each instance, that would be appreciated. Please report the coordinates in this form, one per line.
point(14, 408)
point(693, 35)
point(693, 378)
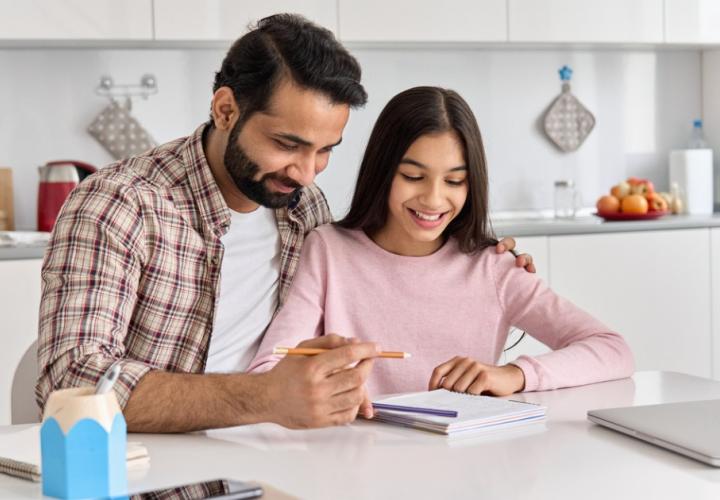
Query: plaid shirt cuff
point(76, 370)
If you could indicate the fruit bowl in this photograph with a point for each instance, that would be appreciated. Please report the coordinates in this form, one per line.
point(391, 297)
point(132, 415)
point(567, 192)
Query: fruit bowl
point(654, 214)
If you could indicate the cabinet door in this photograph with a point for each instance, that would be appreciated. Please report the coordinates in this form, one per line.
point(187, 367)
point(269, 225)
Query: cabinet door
point(692, 21)
point(19, 308)
point(619, 21)
point(76, 20)
point(715, 298)
point(422, 21)
point(227, 20)
point(653, 287)
point(537, 246)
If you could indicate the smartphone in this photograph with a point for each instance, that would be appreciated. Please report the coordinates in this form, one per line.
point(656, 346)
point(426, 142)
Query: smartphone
point(217, 489)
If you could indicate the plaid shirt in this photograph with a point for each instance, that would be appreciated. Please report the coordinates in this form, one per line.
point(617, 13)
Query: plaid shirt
point(132, 270)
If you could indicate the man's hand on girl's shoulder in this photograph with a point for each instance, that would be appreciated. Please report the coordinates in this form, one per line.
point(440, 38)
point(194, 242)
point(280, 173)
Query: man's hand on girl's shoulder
point(523, 260)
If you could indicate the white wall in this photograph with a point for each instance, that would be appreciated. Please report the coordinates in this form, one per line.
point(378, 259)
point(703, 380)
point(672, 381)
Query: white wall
point(711, 111)
point(644, 102)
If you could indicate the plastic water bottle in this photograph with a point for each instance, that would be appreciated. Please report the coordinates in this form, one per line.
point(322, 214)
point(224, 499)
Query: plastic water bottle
point(692, 170)
point(697, 140)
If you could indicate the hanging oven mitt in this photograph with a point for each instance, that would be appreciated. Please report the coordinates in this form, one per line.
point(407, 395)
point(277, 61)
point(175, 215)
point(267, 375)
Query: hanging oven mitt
point(568, 123)
point(119, 132)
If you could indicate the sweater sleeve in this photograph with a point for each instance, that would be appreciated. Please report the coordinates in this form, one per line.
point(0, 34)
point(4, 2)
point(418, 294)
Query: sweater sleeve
point(584, 350)
point(301, 317)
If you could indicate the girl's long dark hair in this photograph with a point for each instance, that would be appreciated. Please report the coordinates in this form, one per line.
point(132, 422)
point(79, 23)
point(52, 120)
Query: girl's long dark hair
point(408, 116)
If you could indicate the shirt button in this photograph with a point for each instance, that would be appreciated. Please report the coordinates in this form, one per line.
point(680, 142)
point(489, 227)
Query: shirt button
point(215, 261)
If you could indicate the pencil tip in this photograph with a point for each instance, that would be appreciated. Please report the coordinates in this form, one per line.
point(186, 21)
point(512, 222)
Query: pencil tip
point(407, 355)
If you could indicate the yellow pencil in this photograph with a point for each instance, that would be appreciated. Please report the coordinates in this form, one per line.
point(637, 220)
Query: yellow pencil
point(309, 351)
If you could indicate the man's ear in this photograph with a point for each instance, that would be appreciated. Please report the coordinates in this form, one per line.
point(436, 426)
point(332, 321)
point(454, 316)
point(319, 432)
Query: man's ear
point(224, 108)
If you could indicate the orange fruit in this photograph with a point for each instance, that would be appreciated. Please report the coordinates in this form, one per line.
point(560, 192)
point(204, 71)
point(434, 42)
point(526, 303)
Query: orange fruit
point(608, 204)
point(634, 204)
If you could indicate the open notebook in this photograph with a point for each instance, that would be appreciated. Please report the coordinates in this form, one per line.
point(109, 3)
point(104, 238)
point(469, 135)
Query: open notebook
point(20, 452)
point(475, 413)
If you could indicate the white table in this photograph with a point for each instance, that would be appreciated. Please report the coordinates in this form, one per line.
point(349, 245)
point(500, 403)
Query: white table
point(565, 458)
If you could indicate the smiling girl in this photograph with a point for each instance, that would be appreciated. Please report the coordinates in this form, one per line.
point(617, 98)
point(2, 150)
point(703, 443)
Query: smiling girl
point(411, 267)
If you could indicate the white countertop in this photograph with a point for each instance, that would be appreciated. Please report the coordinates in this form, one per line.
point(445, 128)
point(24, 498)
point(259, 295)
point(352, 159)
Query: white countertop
point(503, 225)
point(565, 458)
point(22, 244)
point(590, 224)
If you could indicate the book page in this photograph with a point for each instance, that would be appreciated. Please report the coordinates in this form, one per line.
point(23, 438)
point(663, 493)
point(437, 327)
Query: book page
point(468, 406)
point(21, 445)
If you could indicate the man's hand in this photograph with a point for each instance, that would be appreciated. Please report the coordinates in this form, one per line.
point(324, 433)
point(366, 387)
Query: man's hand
point(467, 375)
point(522, 260)
point(321, 390)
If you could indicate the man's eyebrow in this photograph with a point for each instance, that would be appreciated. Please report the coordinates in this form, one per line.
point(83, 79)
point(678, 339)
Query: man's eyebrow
point(294, 138)
point(303, 142)
point(421, 165)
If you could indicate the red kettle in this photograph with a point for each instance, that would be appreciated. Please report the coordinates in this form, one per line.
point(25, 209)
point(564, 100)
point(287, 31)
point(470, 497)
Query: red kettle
point(57, 179)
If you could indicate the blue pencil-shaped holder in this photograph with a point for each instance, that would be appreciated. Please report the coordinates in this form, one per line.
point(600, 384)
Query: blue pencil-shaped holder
point(83, 439)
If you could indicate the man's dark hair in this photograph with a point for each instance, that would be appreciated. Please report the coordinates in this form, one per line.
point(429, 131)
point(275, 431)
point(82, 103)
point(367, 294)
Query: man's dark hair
point(289, 46)
point(407, 117)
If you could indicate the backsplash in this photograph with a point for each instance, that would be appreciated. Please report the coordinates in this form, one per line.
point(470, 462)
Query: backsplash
point(643, 101)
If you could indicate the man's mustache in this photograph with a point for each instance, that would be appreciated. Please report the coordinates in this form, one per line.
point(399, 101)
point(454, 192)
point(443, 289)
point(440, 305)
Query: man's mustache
point(282, 180)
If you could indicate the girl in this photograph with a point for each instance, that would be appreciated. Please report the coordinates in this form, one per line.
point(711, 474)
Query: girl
point(412, 268)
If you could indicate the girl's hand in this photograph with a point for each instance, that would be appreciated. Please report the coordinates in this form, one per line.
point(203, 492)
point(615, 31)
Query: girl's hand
point(521, 260)
point(467, 375)
point(366, 409)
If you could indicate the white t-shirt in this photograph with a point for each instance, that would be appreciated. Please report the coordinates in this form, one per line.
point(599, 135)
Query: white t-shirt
point(248, 290)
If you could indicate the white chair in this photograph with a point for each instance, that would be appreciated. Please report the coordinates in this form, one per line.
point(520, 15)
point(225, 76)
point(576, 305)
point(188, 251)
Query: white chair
point(24, 409)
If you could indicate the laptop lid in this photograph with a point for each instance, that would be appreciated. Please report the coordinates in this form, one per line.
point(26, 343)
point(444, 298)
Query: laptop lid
point(690, 428)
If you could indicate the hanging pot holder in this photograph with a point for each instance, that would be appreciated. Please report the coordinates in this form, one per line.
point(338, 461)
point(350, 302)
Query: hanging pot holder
point(119, 132)
point(567, 122)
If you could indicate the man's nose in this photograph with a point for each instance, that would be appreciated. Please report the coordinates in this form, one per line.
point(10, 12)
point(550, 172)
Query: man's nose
point(303, 171)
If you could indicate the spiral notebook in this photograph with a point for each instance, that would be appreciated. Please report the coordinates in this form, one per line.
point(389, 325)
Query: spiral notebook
point(20, 452)
point(475, 413)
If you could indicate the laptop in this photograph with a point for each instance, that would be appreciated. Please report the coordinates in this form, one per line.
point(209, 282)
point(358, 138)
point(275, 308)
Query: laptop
point(691, 428)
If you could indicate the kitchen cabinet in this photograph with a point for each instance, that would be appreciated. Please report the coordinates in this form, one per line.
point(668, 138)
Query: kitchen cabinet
point(692, 21)
point(651, 286)
point(76, 20)
point(422, 21)
point(715, 299)
point(227, 20)
point(19, 308)
point(537, 246)
point(586, 21)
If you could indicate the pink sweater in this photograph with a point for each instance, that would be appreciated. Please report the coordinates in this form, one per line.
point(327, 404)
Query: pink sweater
point(436, 307)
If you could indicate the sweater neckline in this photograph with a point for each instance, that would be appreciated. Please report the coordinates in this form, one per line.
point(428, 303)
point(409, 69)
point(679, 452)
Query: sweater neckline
point(438, 254)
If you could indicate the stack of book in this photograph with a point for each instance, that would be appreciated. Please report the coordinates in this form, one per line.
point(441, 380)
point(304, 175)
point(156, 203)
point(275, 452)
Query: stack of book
point(454, 413)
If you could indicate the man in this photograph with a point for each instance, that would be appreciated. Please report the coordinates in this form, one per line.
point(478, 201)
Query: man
point(172, 263)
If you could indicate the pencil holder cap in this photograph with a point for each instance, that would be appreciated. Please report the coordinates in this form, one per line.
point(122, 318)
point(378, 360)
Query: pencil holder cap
point(83, 440)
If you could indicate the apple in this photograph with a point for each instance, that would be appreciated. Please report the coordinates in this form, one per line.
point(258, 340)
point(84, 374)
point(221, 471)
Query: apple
point(656, 203)
point(642, 187)
point(620, 190)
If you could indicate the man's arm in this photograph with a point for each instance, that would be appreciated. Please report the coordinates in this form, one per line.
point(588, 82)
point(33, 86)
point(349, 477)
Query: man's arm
point(90, 277)
point(299, 392)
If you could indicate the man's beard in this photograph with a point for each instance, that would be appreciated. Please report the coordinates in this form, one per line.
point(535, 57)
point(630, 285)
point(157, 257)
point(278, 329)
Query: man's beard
point(243, 171)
